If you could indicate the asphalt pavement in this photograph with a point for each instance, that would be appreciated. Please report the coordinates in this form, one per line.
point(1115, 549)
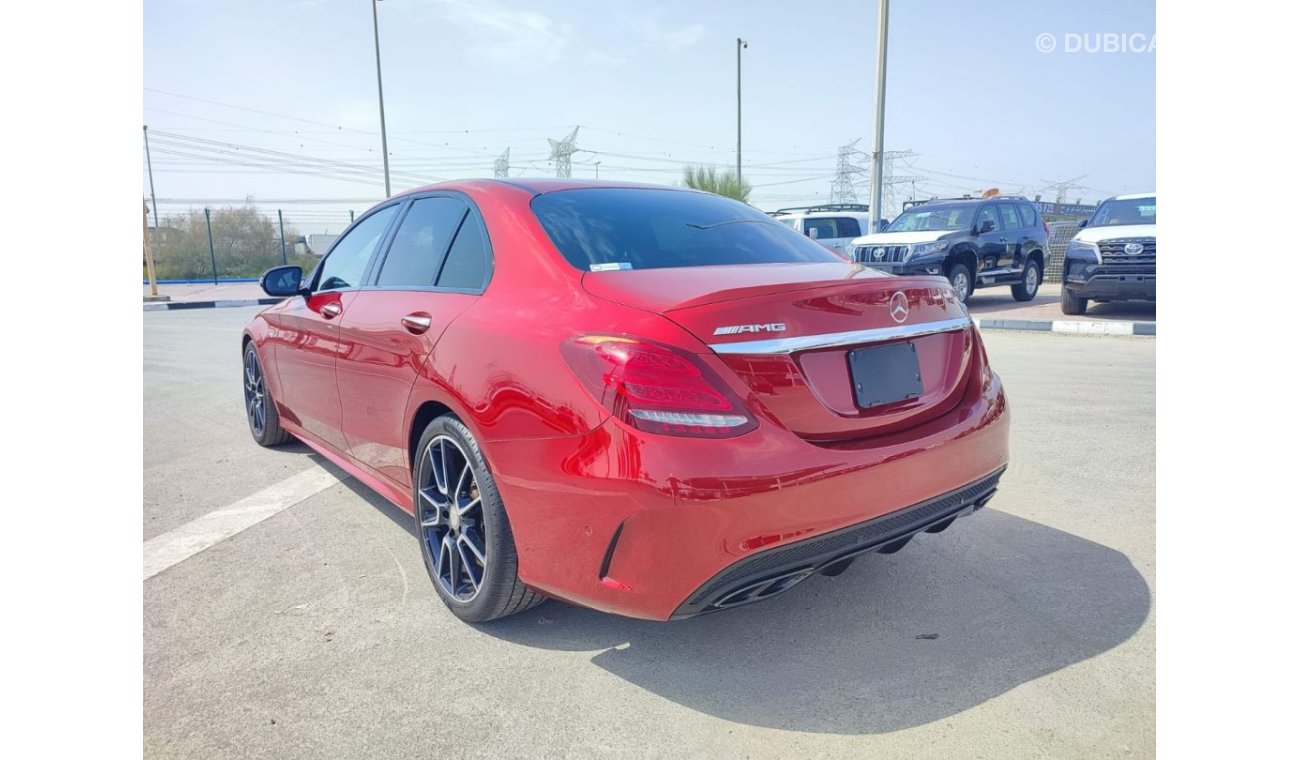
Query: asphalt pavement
point(1025, 630)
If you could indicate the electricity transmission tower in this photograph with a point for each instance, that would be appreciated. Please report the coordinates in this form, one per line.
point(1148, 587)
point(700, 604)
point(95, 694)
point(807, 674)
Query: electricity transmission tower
point(842, 187)
point(889, 181)
point(1063, 188)
point(561, 151)
point(501, 166)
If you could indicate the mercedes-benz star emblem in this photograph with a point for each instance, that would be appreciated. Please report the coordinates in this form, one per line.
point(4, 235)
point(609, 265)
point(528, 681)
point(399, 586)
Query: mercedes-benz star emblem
point(1133, 249)
point(898, 307)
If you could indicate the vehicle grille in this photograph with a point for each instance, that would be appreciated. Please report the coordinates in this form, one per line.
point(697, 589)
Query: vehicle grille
point(1115, 261)
point(889, 254)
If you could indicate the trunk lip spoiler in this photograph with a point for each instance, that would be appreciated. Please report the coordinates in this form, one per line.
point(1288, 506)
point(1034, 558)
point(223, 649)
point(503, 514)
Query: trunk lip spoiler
point(841, 339)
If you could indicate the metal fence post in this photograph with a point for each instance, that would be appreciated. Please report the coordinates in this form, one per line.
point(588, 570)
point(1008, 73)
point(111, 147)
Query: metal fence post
point(212, 247)
point(284, 257)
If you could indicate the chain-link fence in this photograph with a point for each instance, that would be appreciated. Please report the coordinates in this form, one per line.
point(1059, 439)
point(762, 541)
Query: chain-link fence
point(232, 243)
point(1061, 234)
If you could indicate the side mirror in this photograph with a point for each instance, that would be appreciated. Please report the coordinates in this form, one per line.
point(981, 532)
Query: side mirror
point(1083, 223)
point(812, 233)
point(986, 226)
point(282, 281)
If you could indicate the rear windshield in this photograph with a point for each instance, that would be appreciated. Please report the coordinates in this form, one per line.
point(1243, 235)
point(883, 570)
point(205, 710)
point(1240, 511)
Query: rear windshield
point(600, 229)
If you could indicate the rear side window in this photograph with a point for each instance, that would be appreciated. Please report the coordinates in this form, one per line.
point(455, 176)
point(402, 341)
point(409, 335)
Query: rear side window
point(1028, 218)
point(420, 242)
point(1009, 219)
point(347, 260)
point(633, 228)
point(467, 262)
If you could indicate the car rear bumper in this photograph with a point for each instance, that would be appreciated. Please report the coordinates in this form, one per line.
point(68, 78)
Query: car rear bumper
point(1114, 286)
point(769, 573)
point(649, 526)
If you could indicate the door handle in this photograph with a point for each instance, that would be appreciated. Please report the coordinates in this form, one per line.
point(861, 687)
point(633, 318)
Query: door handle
point(331, 310)
point(417, 323)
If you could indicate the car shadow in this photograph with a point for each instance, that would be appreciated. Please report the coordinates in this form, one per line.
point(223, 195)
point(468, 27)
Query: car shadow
point(895, 642)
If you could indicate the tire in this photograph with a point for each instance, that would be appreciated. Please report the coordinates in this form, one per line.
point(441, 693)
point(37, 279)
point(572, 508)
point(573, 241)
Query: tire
point(259, 407)
point(1072, 304)
point(960, 277)
point(1027, 288)
point(470, 556)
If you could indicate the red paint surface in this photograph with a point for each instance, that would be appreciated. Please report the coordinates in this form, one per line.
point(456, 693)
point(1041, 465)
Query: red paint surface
point(570, 473)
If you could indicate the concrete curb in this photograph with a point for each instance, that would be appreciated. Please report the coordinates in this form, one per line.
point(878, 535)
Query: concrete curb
point(226, 304)
point(1070, 327)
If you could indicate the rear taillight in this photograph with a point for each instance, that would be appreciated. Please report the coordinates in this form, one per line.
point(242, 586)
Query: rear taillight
point(656, 388)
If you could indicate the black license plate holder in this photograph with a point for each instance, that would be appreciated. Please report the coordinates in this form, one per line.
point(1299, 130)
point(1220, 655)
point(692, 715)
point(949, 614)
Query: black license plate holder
point(885, 374)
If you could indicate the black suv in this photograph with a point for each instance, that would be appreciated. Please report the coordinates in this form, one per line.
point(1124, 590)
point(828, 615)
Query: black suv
point(974, 242)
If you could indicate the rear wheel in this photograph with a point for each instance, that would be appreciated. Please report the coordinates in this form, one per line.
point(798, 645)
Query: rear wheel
point(1071, 304)
point(465, 536)
point(960, 277)
point(263, 419)
point(1027, 288)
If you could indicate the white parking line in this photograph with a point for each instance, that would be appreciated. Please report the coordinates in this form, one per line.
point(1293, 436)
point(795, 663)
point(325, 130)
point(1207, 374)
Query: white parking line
point(179, 544)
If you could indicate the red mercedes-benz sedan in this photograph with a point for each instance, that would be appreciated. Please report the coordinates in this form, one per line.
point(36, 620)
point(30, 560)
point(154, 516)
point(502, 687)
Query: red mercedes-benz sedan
point(647, 400)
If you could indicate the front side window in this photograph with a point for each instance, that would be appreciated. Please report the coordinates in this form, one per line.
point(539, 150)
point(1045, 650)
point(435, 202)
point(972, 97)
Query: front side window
point(847, 227)
point(986, 214)
point(598, 229)
point(825, 228)
point(347, 260)
point(420, 242)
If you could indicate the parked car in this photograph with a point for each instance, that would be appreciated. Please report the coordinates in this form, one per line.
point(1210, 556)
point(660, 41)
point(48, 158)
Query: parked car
point(651, 401)
point(975, 243)
point(1113, 256)
point(834, 225)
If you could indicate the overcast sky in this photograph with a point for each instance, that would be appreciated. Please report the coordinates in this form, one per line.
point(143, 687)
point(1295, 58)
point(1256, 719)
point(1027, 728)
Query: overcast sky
point(651, 85)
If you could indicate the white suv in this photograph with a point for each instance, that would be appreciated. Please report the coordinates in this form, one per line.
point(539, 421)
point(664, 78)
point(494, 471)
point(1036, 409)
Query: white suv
point(833, 225)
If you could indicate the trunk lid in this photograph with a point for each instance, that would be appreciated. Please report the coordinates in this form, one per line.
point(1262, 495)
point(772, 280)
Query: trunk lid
point(786, 332)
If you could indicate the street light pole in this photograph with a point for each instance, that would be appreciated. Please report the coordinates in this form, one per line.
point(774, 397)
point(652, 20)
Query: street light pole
point(878, 149)
point(739, 45)
point(149, 160)
point(597, 170)
point(379, 74)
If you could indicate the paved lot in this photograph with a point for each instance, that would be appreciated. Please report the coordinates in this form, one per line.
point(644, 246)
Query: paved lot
point(316, 633)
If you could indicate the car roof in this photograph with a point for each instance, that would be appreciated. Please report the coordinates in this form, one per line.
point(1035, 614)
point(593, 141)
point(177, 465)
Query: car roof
point(538, 185)
point(1133, 196)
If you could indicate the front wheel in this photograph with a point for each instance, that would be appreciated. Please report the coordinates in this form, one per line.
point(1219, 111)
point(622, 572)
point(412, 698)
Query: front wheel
point(465, 536)
point(960, 278)
point(259, 407)
point(1071, 304)
point(1027, 288)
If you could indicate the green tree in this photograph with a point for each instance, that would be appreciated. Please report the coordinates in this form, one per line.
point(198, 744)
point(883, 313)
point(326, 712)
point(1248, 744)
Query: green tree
point(709, 179)
point(246, 243)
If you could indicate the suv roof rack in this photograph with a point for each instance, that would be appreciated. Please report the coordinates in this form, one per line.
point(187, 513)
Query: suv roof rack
point(967, 197)
point(823, 207)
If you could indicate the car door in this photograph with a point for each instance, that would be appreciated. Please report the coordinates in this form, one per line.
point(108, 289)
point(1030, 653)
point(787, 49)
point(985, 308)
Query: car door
point(1012, 233)
point(1031, 234)
point(435, 267)
point(307, 343)
point(991, 242)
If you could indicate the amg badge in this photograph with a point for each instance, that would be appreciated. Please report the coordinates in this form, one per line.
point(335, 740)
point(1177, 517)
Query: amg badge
point(772, 327)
